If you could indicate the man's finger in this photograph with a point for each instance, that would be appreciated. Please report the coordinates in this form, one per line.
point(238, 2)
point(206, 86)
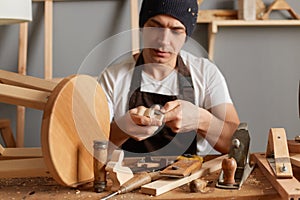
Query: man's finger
point(170, 106)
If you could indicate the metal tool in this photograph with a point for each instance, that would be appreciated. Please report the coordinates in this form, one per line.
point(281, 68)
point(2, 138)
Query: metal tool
point(239, 150)
point(136, 182)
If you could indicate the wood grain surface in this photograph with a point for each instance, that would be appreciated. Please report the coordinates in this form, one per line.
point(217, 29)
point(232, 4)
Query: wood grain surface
point(75, 115)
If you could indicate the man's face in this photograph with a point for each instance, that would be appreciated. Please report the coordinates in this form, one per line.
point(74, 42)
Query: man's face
point(163, 38)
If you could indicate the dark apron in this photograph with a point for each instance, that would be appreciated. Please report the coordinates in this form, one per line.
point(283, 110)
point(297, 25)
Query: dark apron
point(164, 142)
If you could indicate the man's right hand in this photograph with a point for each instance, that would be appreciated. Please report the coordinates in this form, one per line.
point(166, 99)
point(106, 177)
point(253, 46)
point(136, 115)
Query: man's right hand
point(138, 126)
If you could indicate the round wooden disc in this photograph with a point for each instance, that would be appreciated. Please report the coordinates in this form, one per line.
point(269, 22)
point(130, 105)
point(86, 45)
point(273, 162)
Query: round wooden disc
point(75, 115)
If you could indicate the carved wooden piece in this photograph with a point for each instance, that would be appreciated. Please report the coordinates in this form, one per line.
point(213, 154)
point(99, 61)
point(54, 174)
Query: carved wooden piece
point(280, 5)
point(118, 173)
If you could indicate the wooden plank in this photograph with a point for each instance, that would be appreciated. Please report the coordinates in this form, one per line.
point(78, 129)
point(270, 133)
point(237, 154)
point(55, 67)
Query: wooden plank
point(207, 16)
point(23, 96)
point(13, 153)
point(164, 185)
point(21, 168)
point(218, 23)
point(30, 82)
point(287, 188)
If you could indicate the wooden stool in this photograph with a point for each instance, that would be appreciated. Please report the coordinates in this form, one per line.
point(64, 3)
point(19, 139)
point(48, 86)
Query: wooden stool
point(75, 113)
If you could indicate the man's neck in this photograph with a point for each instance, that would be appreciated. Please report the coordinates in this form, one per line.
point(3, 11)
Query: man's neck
point(158, 71)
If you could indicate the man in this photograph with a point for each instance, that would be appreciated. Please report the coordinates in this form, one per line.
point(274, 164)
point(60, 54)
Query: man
point(190, 92)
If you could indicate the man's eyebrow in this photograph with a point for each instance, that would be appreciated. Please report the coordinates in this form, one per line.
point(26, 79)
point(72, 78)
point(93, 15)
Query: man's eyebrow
point(161, 25)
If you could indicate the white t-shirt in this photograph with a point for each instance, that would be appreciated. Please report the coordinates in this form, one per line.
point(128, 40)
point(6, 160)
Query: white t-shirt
point(210, 87)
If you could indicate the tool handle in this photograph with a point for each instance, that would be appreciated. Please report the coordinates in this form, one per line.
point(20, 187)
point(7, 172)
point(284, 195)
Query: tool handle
point(137, 181)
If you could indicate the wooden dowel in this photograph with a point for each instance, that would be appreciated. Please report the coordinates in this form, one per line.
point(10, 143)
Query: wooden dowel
point(134, 26)
point(22, 65)
point(23, 96)
point(29, 82)
point(48, 39)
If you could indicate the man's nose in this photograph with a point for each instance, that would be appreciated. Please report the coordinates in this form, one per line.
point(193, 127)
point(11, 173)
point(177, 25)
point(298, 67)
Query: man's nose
point(165, 36)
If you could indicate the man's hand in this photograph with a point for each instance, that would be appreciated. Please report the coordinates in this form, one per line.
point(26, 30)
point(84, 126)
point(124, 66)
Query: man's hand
point(181, 116)
point(138, 123)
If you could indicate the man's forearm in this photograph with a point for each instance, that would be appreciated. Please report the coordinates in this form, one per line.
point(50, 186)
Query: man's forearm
point(117, 136)
point(218, 132)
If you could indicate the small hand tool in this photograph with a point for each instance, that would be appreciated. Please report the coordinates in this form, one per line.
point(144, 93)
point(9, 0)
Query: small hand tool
point(135, 182)
point(182, 168)
point(239, 150)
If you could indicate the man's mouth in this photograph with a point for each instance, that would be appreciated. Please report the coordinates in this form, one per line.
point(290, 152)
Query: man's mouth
point(161, 53)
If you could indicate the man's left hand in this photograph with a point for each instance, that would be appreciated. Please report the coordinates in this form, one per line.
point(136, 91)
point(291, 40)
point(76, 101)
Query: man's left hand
point(181, 116)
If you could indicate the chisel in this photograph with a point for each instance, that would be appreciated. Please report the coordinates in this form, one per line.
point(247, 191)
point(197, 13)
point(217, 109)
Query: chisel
point(135, 182)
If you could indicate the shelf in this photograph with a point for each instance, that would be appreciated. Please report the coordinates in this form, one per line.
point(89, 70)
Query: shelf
point(215, 24)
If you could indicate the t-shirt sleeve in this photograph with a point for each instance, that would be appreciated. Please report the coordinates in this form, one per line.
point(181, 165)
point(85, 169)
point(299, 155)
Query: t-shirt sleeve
point(104, 82)
point(216, 88)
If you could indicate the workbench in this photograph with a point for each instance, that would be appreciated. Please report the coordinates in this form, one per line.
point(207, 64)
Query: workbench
point(255, 187)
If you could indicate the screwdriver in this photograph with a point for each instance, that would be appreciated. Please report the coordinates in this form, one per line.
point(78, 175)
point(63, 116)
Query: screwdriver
point(135, 182)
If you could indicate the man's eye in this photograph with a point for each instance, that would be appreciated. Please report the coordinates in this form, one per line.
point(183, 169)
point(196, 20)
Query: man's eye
point(177, 32)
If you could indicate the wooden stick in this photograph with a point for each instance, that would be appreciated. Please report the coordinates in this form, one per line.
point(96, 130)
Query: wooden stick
point(48, 39)
point(23, 43)
point(135, 25)
point(14, 153)
point(164, 185)
point(23, 96)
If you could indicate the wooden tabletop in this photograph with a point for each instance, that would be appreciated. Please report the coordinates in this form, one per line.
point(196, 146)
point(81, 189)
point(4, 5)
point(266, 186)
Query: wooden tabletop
point(256, 187)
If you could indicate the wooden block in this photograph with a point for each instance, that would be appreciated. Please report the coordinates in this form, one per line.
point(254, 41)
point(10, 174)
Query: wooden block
point(164, 185)
point(247, 9)
point(287, 188)
point(182, 168)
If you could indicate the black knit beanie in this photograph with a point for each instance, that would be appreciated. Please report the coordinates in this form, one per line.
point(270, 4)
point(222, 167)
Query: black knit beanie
point(186, 11)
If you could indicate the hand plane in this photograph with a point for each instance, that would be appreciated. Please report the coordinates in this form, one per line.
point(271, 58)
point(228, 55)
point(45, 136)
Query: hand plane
point(239, 150)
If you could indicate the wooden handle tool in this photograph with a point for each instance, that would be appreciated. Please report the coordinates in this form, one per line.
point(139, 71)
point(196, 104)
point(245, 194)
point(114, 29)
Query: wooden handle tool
point(135, 182)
